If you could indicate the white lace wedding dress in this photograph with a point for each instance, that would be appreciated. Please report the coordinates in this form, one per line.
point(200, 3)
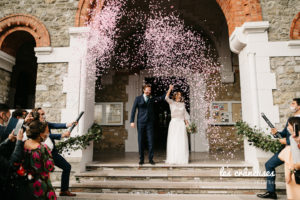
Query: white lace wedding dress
point(177, 142)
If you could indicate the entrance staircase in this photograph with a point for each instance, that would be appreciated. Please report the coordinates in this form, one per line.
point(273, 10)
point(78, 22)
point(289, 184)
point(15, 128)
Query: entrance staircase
point(193, 181)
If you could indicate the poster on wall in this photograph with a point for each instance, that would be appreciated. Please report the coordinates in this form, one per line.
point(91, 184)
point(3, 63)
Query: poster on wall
point(109, 113)
point(226, 112)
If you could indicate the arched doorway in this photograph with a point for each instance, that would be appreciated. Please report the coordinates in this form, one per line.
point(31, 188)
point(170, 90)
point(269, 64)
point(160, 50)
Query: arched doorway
point(23, 77)
point(19, 34)
point(236, 12)
point(213, 27)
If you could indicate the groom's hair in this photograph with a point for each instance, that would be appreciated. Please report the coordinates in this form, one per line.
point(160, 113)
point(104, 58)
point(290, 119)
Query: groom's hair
point(146, 86)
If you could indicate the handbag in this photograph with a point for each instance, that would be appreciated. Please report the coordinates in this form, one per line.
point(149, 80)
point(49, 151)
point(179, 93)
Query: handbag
point(297, 176)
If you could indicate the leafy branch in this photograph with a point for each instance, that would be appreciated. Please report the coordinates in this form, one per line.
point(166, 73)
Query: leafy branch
point(258, 138)
point(81, 142)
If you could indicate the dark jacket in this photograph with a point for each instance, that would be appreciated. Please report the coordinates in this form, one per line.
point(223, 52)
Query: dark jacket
point(285, 134)
point(145, 110)
point(55, 136)
point(10, 183)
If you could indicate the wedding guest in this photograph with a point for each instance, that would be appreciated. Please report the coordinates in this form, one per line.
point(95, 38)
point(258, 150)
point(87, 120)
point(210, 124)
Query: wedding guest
point(38, 162)
point(59, 160)
point(19, 114)
point(10, 186)
point(274, 161)
point(4, 117)
point(291, 157)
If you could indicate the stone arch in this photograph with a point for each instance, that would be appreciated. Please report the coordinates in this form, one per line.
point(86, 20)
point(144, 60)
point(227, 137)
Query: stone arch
point(295, 28)
point(23, 23)
point(83, 14)
point(236, 12)
point(239, 12)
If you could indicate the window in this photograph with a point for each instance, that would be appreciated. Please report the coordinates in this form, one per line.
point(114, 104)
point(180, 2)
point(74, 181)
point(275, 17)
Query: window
point(226, 112)
point(109, 114)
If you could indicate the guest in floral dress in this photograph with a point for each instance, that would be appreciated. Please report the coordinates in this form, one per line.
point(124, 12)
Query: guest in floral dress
point(291, 157)
point(38, 161)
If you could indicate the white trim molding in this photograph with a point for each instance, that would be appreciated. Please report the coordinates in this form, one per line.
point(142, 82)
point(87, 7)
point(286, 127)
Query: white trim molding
point(7, 61)
point(250, 42)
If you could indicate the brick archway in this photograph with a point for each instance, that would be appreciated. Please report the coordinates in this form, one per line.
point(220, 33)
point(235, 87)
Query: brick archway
point(295, 28)
point(239, 12)
point(83, 14)
point(236, 12)
point(23, 23)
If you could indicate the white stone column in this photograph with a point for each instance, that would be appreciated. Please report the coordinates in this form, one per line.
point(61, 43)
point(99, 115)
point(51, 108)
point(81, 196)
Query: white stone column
point(250, 41)
point(79, 88)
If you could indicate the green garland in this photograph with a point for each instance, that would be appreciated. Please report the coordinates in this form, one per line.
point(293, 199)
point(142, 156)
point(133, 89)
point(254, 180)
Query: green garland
point(81, 142)
point(258, 138)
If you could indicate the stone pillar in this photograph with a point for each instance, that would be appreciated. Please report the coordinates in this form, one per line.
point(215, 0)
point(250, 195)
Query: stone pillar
point(6, 64)
point(250, 41)
point(78, 87)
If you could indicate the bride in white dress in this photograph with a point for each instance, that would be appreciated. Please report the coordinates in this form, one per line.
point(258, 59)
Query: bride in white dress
point(177, 142)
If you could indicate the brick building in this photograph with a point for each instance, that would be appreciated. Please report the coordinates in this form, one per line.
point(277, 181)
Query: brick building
point(42, 44)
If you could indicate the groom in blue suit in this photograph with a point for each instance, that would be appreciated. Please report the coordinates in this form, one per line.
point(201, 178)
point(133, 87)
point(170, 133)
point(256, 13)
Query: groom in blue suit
point(145, 121)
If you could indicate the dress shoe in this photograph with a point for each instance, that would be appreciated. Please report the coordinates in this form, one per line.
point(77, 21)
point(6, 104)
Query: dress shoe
point(152, 162)
point(141, 162)
point(268, 195)
point(67, 193)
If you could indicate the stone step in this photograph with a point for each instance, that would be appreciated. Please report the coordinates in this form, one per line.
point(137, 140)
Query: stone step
point(161, 166)
point(196, 175)
point(101, 196)
point(163, 187)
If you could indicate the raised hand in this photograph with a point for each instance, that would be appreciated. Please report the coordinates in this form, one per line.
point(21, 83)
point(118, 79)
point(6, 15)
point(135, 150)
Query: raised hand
point(72, 123)
point(274, 131)
point(12, 137)
point(171, 87)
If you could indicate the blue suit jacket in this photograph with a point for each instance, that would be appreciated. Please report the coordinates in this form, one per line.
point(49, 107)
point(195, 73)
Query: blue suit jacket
point(145, 110)
point(55, 136)
point(285, 133)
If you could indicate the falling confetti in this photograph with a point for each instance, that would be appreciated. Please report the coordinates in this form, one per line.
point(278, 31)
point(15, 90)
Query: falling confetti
point(135, 37)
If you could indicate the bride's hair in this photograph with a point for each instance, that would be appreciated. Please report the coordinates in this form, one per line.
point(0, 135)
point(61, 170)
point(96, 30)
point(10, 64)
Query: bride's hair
point(175, 94)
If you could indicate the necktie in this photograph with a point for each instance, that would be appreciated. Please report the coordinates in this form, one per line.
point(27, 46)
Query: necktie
point(146, 99)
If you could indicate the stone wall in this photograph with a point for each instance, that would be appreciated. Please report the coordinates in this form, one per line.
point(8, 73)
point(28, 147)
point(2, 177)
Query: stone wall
point(280, 14)
point(114, 90)
point(56, 15)
point(4, 85)
point(287, 70)
point(49, 89)
point(222, 139)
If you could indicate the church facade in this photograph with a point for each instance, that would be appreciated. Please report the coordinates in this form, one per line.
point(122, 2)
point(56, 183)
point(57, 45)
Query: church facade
point(43, 45)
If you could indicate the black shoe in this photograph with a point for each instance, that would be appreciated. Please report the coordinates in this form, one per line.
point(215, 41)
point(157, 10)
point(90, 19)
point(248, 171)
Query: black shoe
point(141, 162)
point(152, 162)
point(268, 195)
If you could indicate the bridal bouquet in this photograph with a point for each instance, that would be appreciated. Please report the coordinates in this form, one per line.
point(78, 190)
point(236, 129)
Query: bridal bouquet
point(192, 128)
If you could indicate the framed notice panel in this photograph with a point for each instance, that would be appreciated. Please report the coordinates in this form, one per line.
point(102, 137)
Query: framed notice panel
point(226, 112)
point(109, 114)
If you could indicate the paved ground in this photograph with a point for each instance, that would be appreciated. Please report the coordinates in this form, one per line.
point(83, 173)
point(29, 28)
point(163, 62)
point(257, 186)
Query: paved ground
point(86, 196)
